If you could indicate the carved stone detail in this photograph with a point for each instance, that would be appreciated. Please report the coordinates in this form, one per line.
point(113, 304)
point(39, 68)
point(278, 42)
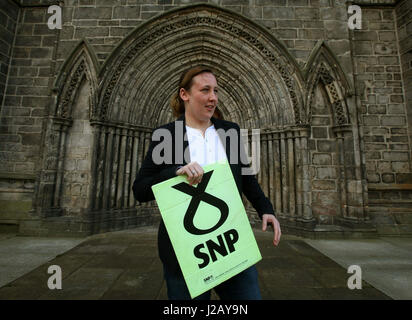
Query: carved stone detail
point(284, 70)
point(336, 100)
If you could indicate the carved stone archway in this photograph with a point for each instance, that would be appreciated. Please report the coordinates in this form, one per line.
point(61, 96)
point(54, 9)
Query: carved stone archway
point(261, 86)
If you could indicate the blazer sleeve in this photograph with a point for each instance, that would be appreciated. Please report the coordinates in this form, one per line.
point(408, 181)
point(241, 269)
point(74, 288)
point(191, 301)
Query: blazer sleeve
point(251, 188)
point(150, 174)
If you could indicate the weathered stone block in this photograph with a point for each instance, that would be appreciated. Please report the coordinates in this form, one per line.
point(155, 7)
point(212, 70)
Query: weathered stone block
point(396, 98)
point(363, 48)
point(311, 34)
point(398, 139)
point(131, 12)
point(321, 121)
point(325, 198)
point(375, 146)
point(326, 146)
point(393, 120)
point(41, 52)
point(371, 15)
point(377, 109)
point(83, 32)
point(34, 15)
point(324, 185)
point(322, 159)
point(252, 12)
point(395, 156)
point(307, 13)
point(93, 13)
point(371, 120)
point(326, 173)
point(372, 177)
point(404, 178)
point(390, 60)
point(28, 41)
point(383, 49)
point(388, 177)
point(278, 13)
point(319, 132)
point(287, 33)
point(271, 2)
point(382, 76)
point(387, 36)
point(366, 35)
point(399, 147)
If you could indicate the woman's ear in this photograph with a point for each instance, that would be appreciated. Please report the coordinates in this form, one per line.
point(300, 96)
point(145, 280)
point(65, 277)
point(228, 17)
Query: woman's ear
point(183, 94)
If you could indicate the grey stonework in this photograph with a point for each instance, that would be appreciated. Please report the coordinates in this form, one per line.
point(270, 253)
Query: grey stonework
point(333, 106)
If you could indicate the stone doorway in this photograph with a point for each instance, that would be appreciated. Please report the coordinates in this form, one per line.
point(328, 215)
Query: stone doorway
point(309, 145)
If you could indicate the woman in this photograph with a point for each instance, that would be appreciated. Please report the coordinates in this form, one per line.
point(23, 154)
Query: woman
point(194, 104)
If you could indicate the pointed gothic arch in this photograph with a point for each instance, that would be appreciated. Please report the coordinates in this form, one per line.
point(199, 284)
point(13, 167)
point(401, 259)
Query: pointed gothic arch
point(82, 63)
point(323, 67)
point(260, 81)
point(80, 69)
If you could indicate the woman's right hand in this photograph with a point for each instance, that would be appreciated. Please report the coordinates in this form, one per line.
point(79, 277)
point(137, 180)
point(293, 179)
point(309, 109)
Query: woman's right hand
point(193, 171)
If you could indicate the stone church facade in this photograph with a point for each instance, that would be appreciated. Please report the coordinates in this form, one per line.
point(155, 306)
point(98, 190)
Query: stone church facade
point(333, 105)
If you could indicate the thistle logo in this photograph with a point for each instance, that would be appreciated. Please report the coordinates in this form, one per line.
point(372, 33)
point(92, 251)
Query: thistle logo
point(225, 243)
point(198, 194)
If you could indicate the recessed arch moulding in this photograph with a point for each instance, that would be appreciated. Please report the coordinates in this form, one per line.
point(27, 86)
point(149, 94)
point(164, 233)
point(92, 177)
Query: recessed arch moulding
point(260, 84)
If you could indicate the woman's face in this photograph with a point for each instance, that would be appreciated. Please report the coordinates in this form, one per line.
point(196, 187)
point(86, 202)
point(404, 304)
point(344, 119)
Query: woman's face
point(201, 99)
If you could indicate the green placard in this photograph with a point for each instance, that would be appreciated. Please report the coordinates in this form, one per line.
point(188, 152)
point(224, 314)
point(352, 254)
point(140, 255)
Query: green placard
point(208, 227)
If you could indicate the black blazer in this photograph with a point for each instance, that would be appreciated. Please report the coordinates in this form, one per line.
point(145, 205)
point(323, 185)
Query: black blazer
point(151, 173)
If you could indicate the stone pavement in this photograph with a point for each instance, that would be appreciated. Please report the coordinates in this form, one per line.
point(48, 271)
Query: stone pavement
point(125, 265)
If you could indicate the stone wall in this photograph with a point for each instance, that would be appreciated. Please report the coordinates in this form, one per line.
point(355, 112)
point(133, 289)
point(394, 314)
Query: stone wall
point(24, 107)
point(379, 81)
point(384, 119)
point(324, 159)
point(16, 191)
point(104, 24)
point(404, 29)
point(9, 13)
point(369, 72)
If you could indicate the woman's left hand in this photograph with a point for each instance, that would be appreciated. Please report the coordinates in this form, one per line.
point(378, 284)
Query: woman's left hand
point(271, 219)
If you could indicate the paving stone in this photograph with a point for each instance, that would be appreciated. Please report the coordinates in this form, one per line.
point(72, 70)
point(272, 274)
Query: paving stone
point(32, 57)
point(123, 270)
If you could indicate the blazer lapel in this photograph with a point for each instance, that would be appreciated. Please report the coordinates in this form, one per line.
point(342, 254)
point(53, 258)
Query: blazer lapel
point(219, 125)
point(184, 141)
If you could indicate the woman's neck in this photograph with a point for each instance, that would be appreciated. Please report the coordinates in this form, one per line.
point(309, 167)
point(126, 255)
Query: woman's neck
point(196, 124)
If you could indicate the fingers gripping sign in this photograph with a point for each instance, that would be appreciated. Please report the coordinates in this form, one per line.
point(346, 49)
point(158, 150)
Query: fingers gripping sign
point(193, 171)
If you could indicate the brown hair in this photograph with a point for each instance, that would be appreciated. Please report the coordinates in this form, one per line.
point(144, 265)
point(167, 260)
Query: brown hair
point(186, 82)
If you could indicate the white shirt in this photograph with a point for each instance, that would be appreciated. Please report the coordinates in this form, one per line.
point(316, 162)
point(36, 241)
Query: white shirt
point(205, 150)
